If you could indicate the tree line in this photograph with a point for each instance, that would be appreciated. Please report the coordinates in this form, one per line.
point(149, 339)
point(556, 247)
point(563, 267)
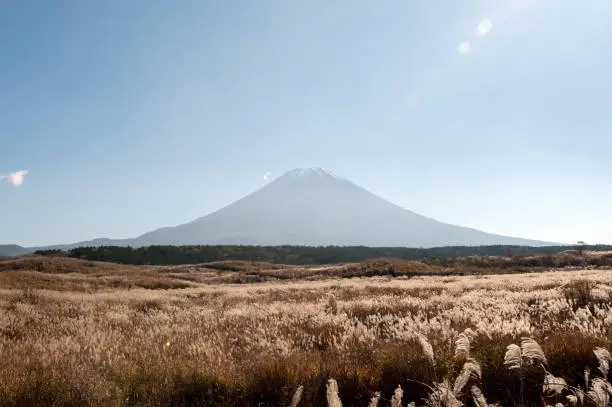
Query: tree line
point(299, 255)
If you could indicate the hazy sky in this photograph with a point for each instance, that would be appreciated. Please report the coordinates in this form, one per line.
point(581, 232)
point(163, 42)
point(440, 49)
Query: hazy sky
point(130, 115)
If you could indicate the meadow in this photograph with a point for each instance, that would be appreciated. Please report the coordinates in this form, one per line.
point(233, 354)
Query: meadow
point(383, 333)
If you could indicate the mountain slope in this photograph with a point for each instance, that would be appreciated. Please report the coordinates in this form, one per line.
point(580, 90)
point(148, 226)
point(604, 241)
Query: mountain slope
point(315, 207)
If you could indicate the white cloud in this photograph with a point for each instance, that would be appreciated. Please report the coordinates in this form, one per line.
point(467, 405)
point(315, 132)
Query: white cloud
point(15, 178)
point(464, 48)
point(484, 27)
point(267, 176)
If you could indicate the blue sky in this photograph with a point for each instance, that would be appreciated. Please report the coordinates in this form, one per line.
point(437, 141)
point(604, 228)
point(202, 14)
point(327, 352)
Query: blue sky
point(131, 115)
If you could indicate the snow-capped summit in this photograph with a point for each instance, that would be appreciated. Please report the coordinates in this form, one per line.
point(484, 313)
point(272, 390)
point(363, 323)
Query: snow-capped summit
point(303, 172)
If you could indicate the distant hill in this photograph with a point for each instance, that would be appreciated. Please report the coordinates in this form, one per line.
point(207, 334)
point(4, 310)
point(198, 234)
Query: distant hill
point(313, 207)
point(13, 250)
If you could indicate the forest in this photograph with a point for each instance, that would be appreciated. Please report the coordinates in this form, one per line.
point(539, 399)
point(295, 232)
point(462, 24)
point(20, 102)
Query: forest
point(299, 255)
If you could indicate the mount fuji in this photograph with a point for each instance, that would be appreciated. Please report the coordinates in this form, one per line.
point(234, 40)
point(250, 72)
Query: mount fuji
point(314, 207)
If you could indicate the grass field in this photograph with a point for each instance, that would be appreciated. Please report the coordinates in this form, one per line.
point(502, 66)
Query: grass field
point(76, 333)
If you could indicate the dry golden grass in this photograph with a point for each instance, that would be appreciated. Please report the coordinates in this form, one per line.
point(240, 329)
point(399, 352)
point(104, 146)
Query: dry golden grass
point(84, 333)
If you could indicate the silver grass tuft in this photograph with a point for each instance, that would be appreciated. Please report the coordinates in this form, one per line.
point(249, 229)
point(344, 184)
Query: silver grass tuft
point(470, 371)
point(572, 400)
point(554, 385)
point(333, 399)
point(374, 400)
point(427, 348)
point(513, 358)
point(442, 396)
point(297, 396)
point(396, 400)
point(599, 392)
point(478, 397)
point(462, 347)
point(604, 358)
point(532, 351)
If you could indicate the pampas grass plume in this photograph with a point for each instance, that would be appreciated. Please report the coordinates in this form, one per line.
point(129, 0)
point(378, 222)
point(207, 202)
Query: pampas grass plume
point(297, 396)
point(333, 399)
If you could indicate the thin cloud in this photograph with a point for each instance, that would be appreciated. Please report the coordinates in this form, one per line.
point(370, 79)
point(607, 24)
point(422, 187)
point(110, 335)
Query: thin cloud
point(484, 27)
point(267, 176)
point(15, 178)
point(464, 48)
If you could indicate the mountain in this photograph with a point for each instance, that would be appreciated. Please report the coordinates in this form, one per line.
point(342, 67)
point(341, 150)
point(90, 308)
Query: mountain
point(313, 207)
